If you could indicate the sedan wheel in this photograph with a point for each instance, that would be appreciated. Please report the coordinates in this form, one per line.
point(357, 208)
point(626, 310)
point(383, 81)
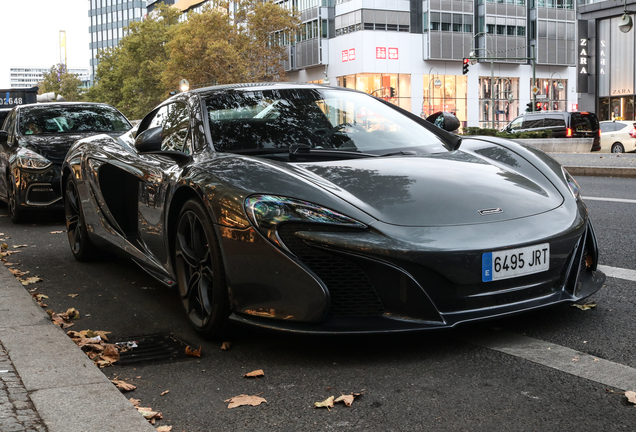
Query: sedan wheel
point(81, 246)
point(618, 148)
point(15, 212)
point(199, 271)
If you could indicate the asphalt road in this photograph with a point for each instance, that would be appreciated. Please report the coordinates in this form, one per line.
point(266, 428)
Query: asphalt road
point(442, 381)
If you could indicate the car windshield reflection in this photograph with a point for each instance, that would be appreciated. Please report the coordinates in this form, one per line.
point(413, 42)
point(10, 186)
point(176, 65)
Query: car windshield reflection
point(271, 121)
point(71, 119)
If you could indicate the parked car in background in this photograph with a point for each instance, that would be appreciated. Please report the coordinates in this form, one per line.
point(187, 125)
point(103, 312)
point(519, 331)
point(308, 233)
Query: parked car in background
point(33, 146)
point(563, 124)
point(322, 209)
point(618, 136)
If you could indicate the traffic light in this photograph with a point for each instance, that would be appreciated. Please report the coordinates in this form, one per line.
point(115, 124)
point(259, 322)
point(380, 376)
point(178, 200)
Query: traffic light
point(392, 92)
point(538, 106)
point(465, 66)
point(529, 107)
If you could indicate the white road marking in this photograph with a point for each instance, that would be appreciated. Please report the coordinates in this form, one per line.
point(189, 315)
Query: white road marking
point(619, 273)
point(557, 357)
point(621, 200)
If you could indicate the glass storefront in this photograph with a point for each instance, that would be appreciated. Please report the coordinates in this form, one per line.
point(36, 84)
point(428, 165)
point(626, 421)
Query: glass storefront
point(445, 93)
point(552, 93)
point(395, 88)
point(505, 96)
point(615, 71)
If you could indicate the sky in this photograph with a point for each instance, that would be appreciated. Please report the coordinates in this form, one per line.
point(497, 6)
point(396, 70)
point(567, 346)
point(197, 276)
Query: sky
point(30, 34)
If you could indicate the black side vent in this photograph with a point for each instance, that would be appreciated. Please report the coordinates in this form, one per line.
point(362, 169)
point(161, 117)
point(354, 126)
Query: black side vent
point(351, 291)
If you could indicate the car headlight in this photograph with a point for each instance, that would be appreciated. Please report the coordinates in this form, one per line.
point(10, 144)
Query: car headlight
point(267, 212)
point(572, 184)
point(31, 160)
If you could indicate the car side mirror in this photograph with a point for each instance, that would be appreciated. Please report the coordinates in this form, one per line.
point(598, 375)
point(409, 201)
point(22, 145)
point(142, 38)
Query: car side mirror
point(444, 120)
point(149, 141)
point(4, 136)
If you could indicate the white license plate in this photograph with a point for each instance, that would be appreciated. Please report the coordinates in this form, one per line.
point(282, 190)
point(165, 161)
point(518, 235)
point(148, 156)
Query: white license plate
point(515, 262)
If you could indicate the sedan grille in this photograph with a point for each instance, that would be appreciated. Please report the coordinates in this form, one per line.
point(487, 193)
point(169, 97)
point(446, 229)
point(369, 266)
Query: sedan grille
point(351, 291)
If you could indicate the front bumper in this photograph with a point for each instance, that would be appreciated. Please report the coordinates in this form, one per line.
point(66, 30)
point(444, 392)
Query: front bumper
point(38, 189)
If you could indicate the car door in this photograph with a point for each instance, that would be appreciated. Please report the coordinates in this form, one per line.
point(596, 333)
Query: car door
point(6, 150)
point(161, 172)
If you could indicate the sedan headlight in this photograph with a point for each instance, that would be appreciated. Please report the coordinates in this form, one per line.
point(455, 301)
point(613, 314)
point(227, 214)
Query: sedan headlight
point(572, 184)
point(31, 160)
point(267, 212)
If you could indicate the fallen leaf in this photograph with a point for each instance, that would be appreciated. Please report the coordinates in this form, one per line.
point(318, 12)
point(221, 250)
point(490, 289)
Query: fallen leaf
point(111, 353)
point(241, 400)
point(255, 374)
point(164, 428)
point(193, 352)
point(73, 295)
point(57, 232)
point(17, 272)
point(123, 385)
point(30, 280)
point(72, 314)
point(348, 399)
point(631, 396)
point(587, 306)
point(19, 246)
point(4, 246)
point(134, 401)
point(327, 403)
point(226, 346)
point(165, 393)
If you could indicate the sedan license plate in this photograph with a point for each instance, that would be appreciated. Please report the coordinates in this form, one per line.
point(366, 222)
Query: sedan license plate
point(515, 262)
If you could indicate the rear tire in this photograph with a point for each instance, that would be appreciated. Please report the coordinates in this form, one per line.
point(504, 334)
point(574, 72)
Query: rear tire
point(618, 148)
point(200, 274)
point(82, 247)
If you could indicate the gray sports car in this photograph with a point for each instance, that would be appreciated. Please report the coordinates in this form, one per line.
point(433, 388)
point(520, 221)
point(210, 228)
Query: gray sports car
point(325, 210)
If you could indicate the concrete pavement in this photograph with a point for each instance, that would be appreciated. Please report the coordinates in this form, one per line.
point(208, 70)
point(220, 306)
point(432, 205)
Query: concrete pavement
point(48, 384)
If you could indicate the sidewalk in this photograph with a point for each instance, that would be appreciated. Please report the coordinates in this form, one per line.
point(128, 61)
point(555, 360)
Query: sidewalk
point(48, 384)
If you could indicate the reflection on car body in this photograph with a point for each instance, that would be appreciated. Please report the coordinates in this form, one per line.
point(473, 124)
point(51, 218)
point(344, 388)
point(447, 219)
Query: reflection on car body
point(325, 210)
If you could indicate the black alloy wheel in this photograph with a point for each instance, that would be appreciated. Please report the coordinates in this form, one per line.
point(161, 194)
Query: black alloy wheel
point(618, 148)
point(81, 246)
point(200, 274)
point(15, 212)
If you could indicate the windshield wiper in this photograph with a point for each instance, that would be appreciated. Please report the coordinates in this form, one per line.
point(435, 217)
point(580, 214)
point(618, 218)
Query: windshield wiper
point(303, 150)
point(402, 152)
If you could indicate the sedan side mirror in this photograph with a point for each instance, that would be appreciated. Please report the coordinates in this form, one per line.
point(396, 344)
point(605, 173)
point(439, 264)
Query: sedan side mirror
point(149, 141)
point(4, 136)
point(444, 120)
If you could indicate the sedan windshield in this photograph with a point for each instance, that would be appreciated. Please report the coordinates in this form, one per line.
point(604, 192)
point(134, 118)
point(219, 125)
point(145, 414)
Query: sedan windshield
point(329, 120)
point(71, 119)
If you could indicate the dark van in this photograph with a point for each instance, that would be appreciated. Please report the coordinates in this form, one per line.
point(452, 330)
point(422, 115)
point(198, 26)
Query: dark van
point(562, 124)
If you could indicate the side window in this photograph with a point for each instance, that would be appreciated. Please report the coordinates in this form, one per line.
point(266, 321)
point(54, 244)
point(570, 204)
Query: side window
point(174, 122)
point(582, 123)
point(533, 122)
point(10, 125)
point(607, 127)
point(175, 130)
point(516, 124)
point(620, 126)
point(554, 120)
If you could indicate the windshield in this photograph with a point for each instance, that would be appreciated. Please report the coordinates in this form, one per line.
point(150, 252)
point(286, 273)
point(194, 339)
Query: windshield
point(71, 119)
point(246, 121)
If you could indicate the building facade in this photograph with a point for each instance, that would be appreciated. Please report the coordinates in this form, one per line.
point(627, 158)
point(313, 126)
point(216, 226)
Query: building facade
point(108, 19)
point(28, 76)
point(411, 52)
point(606, 59)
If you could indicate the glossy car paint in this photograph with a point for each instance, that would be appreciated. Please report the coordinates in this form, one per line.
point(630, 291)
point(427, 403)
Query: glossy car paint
point(418, 254)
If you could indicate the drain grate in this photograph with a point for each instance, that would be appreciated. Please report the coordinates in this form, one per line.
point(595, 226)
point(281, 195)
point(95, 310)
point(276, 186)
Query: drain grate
point(153, 348)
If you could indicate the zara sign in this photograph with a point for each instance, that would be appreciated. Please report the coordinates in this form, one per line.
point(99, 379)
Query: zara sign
point(582, 58)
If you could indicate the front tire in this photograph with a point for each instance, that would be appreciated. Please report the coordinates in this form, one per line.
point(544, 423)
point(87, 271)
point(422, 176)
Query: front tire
point(200, 274)
point(82, 247)
point(16, 214)
point(618, 148)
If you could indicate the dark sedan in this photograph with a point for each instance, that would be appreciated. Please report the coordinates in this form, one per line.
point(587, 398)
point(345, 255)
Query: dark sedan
point(320, 209)
point(33, 144)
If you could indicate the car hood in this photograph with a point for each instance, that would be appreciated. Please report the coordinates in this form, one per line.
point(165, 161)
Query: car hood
point(436, 190)
point(54, 147)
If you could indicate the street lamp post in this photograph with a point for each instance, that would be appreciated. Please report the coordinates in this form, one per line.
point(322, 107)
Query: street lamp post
point(473, 60)
point(559, 85)
point(437, 83)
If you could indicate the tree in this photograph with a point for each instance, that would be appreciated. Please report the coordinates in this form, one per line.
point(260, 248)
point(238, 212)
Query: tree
point(129, 75)
point(61, 82)
point(219, 47)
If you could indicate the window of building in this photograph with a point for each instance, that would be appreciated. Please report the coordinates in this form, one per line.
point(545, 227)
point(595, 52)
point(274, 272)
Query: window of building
point(496, 108)
point(395, 88)
point(451, 95)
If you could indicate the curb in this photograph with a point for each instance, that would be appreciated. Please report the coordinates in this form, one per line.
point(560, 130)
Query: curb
point(601, 171)
point(67, 390)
